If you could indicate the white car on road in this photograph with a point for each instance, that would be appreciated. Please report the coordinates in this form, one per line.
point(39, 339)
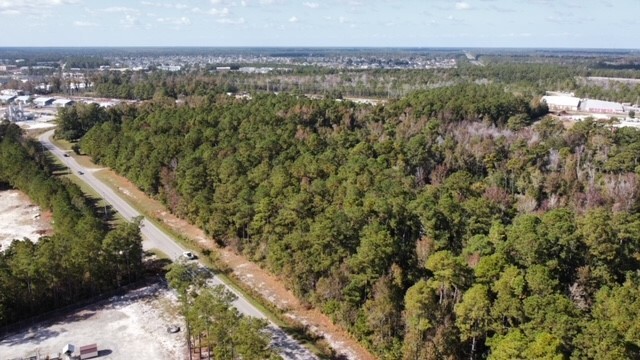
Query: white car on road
point(189, 255)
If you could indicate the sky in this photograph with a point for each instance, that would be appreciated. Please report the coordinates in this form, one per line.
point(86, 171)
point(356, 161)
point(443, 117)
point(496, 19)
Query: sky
point(342, 23)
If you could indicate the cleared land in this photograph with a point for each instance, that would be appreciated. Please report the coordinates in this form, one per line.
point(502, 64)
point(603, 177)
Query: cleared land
point(133, 326)
point(20, 218)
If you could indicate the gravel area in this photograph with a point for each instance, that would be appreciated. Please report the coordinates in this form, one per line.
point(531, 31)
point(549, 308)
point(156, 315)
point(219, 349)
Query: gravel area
point(133, 326)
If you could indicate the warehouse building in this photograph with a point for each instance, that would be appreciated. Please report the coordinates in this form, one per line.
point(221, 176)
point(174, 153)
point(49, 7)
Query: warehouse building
point(24, 99)
point(602, 107)
point(63, 102)
point(43, 101)
point(6, 99)
point(562, 102)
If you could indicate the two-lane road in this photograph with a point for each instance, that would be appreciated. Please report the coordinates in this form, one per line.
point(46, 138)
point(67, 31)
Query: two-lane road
point(288, 347)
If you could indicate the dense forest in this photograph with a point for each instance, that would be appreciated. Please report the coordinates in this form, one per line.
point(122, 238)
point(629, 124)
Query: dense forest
point(455, 222)
point(84, 256)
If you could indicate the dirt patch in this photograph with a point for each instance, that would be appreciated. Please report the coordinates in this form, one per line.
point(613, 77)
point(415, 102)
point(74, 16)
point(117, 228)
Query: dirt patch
point(20, 218)
point(133, 326)
point(252, 275)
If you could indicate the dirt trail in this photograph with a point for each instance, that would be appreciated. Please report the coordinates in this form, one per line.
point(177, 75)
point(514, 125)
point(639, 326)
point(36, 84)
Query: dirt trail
point(258, 279)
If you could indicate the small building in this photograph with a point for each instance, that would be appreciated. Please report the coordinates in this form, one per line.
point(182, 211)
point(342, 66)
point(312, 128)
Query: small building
point(63, 102)
point(43, 101)
point(559, 93)
point(603, 107)
point(6, 99)
point(69, 349)
point(24, 99)
point(562, 102)
point(8, 67)
point(88, 351)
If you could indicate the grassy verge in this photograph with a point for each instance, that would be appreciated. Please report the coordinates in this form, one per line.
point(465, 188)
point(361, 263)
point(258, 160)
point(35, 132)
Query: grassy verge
point(101, 205)
point(159, 254)
point(83, 160)
point(210, 258)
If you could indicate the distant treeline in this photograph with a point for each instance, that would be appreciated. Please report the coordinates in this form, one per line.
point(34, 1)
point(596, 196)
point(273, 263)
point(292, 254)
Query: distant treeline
point(527, 79)
point(84, 62)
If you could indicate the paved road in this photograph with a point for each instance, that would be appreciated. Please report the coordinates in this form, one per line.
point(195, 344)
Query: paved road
point(288, 347)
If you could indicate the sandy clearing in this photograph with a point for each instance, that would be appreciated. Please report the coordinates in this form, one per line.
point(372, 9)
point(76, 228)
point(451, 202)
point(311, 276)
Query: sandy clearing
point(20, 218)
point(133, 326)
point(30, 125)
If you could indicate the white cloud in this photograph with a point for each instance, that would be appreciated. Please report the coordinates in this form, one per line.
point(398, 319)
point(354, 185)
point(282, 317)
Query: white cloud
point(32, 7)
point(353, 3)
point(224, 12)
point(463, 6)
point(516, 35)
point(84, 24)
point(229, 3)
point(129, 21)
point(311, 5)
point(267, 2)
point(238, 21)
point(223, 2)
point(119, 9)
point(293, 19)
point(175, 21)
point(177, 6)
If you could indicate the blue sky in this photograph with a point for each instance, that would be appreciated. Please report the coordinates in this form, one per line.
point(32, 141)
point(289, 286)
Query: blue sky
point(417, 23)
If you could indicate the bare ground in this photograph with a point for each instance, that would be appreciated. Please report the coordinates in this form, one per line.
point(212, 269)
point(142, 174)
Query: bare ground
point(258, 279)
point(133, 326)
point(20, 218)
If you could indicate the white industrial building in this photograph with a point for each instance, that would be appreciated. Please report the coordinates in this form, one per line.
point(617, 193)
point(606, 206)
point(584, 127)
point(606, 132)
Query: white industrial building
point(23, 100)
point(5, 99)
point(562, 102)
point(43, 101)
point(599, 106)
point(63, 102)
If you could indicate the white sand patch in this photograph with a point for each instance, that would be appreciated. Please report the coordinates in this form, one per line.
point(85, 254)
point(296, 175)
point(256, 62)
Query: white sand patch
point(30, 125)
point(125, 191)
point(133, 326)
point(19, 218)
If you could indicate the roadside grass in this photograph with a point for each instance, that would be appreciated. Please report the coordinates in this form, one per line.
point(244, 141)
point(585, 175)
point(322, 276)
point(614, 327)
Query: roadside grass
point(159, 254)
point(210, 258)
point(103, 207)
point(83, 160)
